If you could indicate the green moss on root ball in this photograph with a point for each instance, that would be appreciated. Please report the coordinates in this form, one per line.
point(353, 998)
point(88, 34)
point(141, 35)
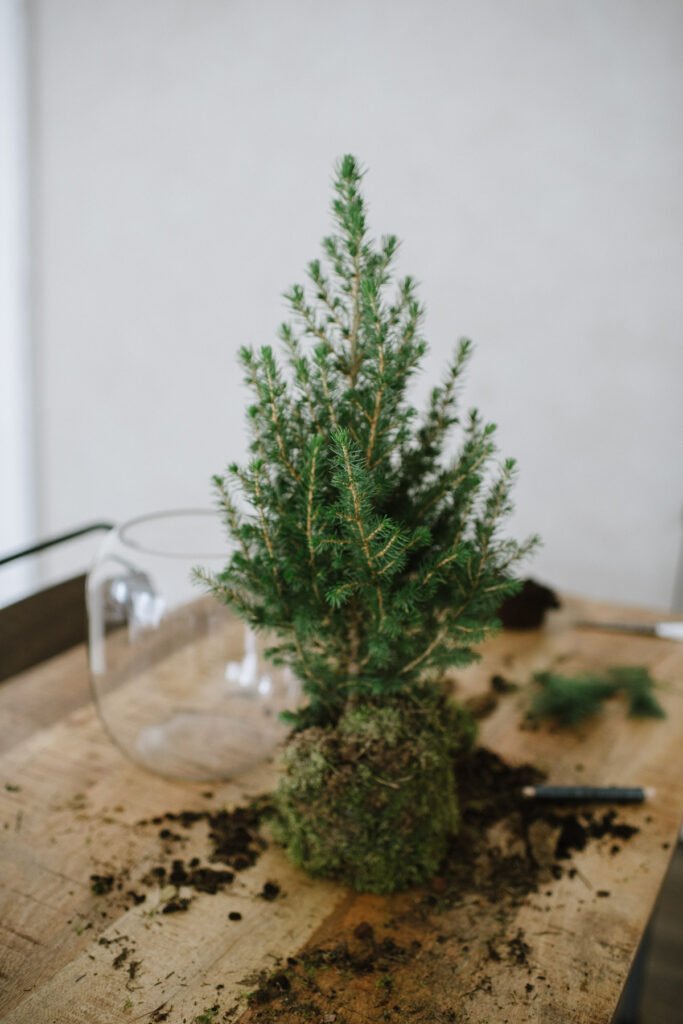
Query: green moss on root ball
point(372, 801)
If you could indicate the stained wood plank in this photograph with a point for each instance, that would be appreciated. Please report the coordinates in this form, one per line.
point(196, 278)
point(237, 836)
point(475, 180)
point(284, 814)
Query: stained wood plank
point(37, 698)
point(42, 625)
point(79, 803)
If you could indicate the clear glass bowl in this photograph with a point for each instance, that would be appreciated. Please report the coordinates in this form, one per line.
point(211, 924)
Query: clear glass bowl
point(180, 684)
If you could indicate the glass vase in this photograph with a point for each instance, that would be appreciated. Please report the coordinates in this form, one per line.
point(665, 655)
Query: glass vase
point(180, 684)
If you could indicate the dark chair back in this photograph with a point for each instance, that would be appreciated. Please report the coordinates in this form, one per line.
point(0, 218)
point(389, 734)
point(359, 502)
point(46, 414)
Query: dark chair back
point(47, 622)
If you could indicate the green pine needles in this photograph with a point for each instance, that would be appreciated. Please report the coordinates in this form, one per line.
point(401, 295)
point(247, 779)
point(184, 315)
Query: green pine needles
point(370, 549)
point(372, 555)
point(570, 700)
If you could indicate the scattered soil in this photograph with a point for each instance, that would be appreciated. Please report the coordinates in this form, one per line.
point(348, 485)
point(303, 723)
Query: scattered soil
point(234, 840)
point(120, 958)
point(122, 955)
point(364, 932)
point(234, 835)
point(518, 949)
point(270, 891)
point(100, 885)
point(395, 965)
point(499, 684)
point(527, 609)
point(176, 906)
point(577, 830)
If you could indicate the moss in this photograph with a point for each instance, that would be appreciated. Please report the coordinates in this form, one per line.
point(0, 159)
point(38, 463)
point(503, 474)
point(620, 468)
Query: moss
point(372, 801)
point(208, 1016)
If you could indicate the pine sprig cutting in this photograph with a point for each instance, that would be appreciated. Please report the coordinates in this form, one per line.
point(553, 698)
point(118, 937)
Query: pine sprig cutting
point(370, 555)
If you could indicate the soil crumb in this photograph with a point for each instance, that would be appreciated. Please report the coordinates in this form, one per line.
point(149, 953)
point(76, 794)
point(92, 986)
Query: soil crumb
point(121, 958)
point(527, 608)
point(499, 684)
point(100, 885)
point(270, 891)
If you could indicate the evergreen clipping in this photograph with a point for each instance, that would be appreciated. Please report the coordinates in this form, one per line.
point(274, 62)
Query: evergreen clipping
point(371, 555)
point(570, 700)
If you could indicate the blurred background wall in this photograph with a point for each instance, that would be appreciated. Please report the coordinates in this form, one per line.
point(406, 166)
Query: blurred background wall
point(17, 495)
point(529, 153)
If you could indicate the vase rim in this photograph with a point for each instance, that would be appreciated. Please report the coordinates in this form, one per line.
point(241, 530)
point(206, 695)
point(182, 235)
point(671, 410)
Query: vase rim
point(126, 532)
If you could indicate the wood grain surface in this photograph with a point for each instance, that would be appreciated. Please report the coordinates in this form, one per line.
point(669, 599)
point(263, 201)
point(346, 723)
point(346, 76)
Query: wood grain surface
point(71, 806)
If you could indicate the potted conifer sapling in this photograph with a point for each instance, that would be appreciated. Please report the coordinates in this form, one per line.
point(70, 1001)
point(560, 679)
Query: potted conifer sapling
point(372, 557)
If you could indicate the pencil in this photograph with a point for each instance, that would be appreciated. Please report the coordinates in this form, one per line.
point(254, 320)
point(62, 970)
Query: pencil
point(589, 794)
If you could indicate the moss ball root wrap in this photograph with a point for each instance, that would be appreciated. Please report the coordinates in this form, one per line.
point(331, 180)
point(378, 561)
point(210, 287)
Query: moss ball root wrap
point(372, 801)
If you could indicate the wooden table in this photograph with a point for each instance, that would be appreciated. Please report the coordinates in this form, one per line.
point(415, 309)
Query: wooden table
point(71, 806)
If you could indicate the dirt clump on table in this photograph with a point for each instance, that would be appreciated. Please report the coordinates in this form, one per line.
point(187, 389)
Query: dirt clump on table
point(235, 843)
point(528, 607)
point(234, 834)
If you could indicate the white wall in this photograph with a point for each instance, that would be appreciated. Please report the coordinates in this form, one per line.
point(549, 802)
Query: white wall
point(529, 153)
point(17, 518)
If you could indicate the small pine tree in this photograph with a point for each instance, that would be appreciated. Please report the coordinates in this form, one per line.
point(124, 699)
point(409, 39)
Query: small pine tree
point(371, 556)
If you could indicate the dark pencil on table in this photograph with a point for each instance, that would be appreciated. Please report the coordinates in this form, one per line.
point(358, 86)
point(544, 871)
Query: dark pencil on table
point(589, 794)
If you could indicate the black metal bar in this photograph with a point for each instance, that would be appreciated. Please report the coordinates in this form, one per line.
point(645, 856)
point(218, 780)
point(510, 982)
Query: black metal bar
point(588, 794)
point(50, 542)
